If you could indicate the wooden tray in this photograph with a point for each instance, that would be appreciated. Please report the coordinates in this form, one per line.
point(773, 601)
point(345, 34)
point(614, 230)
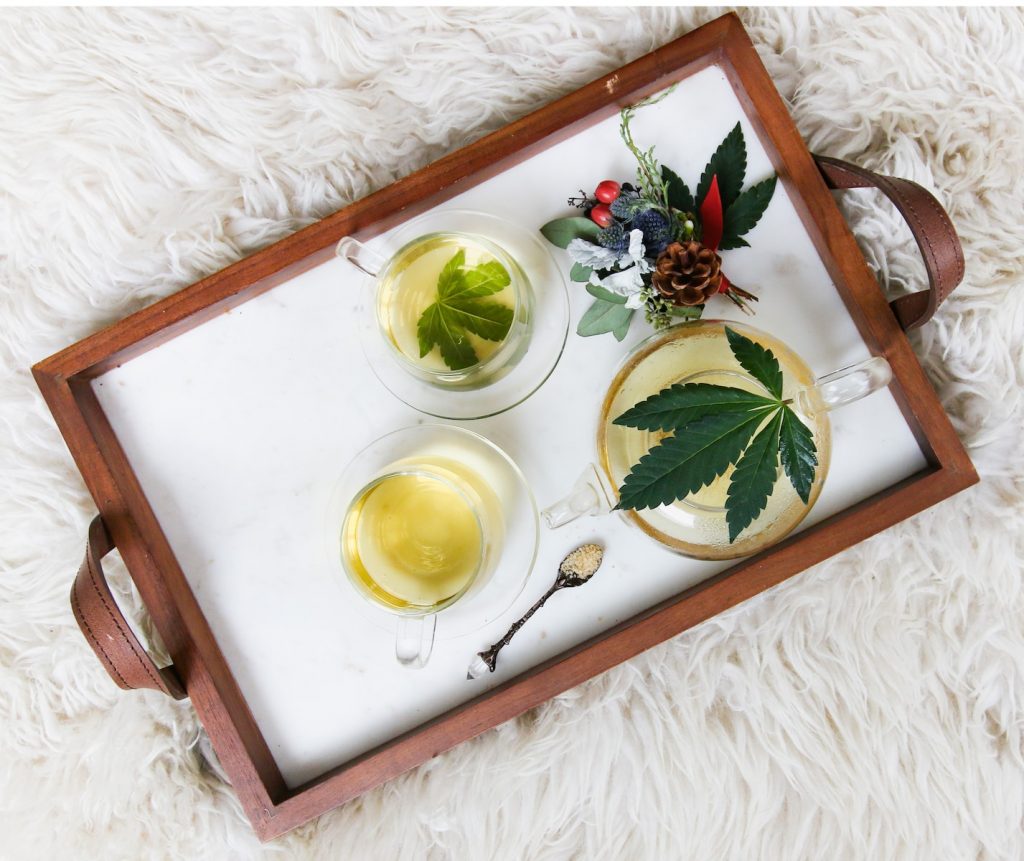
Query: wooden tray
point(141, 406)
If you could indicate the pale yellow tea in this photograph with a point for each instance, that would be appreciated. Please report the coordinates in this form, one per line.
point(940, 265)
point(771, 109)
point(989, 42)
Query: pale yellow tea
point(413, 540)
point(696, 525)
point(462, 326)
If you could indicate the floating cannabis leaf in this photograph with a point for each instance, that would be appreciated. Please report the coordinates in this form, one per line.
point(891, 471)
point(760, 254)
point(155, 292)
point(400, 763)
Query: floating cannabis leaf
point(460, 309)
point(714, 427)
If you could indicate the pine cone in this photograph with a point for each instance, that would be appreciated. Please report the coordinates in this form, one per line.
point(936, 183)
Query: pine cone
point(687, 273)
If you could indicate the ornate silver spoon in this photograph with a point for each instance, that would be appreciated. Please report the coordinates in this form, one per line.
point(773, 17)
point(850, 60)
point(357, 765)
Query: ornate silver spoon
point(576, 569)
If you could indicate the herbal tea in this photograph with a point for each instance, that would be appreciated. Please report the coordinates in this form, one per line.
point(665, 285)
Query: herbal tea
point(413, 540)
point(449, 304)
point(700, 353)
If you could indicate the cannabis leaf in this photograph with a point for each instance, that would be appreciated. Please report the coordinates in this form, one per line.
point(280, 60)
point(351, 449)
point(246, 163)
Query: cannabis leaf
point(729, 163)
point(714, 427)
point(680, 404)
point(799, 456)
point(757, 361)
point(460, 309)
point(754, 477)
point(679, 197)
point(745, 212)
point(691, 459)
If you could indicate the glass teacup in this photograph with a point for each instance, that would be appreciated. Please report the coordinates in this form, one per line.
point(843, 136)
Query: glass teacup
point(406, 285)
point(699, 352)
point(464, 314)
point(431, 520)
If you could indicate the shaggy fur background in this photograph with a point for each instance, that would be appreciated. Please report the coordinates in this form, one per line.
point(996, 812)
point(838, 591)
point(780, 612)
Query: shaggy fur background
point(872, 707)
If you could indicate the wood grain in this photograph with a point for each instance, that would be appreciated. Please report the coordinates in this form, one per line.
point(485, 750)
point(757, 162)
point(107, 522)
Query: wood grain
point(64, 381)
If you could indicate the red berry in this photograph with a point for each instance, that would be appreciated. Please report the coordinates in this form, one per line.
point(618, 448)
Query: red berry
point(607, 191)
point(601, 215)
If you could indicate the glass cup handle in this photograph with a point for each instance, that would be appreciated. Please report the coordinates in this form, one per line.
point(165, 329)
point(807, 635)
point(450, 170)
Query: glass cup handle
point(356, 253)
point(414, 640)
point(844, 386)
point(590, 495)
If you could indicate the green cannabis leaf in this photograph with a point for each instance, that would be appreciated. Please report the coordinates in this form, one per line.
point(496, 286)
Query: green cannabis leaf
point(681, 404)
point(689, 460)
point(745, 212)
point(679, 197)
point(757, 361)
point(460, 309)
point(754, 477)
point(714, 427)
point(729, 164)
point(799, 455)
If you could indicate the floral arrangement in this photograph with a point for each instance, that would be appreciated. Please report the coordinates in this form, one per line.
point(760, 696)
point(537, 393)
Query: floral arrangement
point(653, 244)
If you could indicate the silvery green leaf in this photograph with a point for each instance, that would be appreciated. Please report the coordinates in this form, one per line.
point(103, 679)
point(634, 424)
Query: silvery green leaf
point(624, 283)
point(598, 292)
point(636, 255)
point(590, 255)
point(637, 300)
point(604, 317)
point(579, 273)
point(562, 230)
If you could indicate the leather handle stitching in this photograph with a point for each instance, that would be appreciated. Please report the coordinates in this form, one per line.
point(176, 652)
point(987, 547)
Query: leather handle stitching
point(941, 285)
point(93, 639)
point(93, 576)
point(936, 270)
point(958, 250)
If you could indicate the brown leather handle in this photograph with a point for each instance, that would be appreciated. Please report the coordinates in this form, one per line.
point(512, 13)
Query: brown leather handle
point(106, 630)
point(940, 247)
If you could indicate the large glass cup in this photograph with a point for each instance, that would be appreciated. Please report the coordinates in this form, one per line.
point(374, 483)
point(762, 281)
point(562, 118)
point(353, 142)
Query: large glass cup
point(699, 352)
point(432, 521)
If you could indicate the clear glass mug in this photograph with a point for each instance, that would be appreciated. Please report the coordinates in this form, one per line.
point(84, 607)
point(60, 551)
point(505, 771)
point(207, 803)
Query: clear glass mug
point(699, 352)
point(422, 518)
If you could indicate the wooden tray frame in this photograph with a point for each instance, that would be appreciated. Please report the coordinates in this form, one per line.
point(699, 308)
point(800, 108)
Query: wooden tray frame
point(64, 380)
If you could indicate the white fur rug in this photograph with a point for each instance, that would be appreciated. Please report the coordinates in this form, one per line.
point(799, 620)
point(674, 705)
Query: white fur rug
point(871, 708)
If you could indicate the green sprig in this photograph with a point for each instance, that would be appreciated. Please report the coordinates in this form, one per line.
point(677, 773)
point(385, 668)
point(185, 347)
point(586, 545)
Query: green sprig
point(649, 175)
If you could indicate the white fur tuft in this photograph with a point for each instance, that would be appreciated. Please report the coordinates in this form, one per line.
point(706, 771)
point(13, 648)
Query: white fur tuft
point(871, 708)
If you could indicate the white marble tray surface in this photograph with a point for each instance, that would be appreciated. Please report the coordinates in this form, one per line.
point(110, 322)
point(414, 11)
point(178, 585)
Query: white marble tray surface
point(238, 429)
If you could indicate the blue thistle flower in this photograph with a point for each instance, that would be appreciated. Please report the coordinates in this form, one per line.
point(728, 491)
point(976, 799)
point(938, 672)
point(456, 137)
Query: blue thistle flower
point(615, 238)
point(655, 229)
point(624, 206)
